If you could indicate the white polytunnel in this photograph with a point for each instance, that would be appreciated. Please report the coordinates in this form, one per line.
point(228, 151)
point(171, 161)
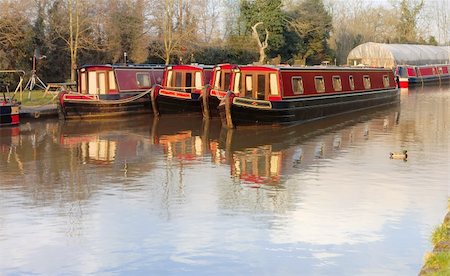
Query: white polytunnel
point(391, 55)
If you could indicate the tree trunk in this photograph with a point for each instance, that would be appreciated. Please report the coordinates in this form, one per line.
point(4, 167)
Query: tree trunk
point(261, 44)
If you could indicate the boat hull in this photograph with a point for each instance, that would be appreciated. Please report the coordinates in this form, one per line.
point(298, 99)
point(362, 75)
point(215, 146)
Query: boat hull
point(303, 109)
point(70, 107)
point(9, 115)
point(175, 102)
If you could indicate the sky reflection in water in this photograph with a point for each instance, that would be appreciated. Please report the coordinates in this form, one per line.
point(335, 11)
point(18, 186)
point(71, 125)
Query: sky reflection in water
point(182, 196)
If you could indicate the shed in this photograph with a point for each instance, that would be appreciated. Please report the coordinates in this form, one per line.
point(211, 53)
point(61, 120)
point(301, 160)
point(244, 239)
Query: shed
point(391, 55)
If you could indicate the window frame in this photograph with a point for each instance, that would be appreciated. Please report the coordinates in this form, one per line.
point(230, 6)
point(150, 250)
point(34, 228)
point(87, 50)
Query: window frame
point(293, 81)
point(367, 82)
point(337, 83)
point(319, 81)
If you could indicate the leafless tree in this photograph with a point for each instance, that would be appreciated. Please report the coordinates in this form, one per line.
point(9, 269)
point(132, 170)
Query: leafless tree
point(262, 45)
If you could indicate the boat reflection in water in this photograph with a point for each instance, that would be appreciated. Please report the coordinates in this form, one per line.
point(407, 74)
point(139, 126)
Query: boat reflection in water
point(262, 157)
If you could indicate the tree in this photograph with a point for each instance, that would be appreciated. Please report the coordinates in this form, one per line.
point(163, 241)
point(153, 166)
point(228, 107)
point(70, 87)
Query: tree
point(15, 35)
point(125, 30)
point(269, 12)
point(261, 44)
point(312, 23)
point(176, 27)
point(407, 26)
point(357, 22)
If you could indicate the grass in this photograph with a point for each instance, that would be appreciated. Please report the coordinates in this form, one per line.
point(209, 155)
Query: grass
point(34, 98)
point(438, 261)
point(440, 233)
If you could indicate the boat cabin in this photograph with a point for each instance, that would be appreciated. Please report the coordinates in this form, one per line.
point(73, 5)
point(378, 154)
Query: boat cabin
point(221, 79)
point(186, 79)
point(115, 81)
point(275, 83)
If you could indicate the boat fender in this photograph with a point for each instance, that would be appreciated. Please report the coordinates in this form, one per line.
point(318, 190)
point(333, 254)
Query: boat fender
point(37, 114)
point(228, 102)
point(153, 94)
point(205, 101)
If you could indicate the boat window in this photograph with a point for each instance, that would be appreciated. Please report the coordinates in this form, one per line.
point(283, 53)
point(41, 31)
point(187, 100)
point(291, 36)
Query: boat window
point(273, 84)
point(227, 79)
point(102, 82)
point(92, 82)
point(198, 80)
point(337, 84)
point(83, 82)
point(352, 82)
point(386, 80)
point(261, 91)
point(217, 80)
point(248, 85)
point(169, 81)
point(178, 79)
point(111, 80)
point(188, 83)
point(237, 83)
point(143, 80)
point(366, 80)
point(320, 84)
point(297, 85)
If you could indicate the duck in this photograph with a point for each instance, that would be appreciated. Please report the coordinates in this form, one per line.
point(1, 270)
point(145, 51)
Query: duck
point(399, 155)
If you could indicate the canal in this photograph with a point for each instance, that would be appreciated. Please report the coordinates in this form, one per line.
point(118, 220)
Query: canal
point(179, 196)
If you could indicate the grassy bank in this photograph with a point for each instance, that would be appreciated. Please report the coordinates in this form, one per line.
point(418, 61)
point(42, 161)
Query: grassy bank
point(438, 261)
point(34, 98)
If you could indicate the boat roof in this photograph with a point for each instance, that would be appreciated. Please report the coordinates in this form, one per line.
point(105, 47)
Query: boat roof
point(125, 66)
point(282, 68)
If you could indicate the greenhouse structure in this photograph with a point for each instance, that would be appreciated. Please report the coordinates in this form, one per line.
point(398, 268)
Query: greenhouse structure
point(392, 55)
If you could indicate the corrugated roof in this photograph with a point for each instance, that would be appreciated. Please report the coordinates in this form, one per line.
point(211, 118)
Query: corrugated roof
point(390, 55)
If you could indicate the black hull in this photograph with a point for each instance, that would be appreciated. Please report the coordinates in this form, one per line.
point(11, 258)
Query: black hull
point(307, 109)
point(170, 105)
point(92, 110)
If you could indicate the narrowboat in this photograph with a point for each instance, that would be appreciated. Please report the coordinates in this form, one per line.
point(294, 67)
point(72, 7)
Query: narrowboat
point(219, 85)
point(110, 90)
point(9, 112)
point(181, 89)
point(409, 75)
point(278, 95)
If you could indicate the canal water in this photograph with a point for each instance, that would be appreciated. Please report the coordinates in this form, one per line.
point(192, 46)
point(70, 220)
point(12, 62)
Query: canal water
point(179, 196)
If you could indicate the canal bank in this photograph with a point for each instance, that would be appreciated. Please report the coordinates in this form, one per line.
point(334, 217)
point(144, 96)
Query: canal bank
point(437, 262)
point(45, 111)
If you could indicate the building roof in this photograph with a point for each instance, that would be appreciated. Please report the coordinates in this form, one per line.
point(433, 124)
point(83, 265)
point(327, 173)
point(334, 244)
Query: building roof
point(390, 55)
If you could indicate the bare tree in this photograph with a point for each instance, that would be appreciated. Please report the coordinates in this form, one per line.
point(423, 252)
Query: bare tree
point(262, 45)
point(176, 28)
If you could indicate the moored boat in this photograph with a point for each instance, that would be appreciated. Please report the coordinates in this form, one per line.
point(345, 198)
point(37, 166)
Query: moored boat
point(9, 106)
point(279, 95)
point(422, 74)
point(9, 112)
point(219, 85)
point(110, 90)
point(181, 89)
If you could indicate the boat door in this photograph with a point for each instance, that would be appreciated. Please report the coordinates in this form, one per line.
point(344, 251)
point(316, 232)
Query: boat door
point(97, 82)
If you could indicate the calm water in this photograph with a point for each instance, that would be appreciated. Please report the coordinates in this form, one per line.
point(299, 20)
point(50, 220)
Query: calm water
point(180, 196)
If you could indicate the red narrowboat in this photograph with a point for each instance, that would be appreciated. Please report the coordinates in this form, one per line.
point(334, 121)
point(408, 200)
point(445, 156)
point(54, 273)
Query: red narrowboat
point(110, 90)
point(421, 75)
point(181, 89)
point(219, 85)
point(9, 112)
point(278, 95)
